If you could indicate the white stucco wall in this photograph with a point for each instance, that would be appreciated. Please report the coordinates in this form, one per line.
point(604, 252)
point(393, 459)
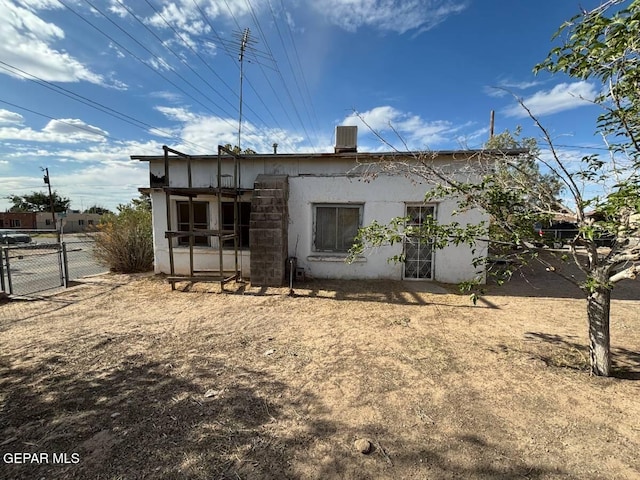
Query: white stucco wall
point(314, 181)
point(383, 199)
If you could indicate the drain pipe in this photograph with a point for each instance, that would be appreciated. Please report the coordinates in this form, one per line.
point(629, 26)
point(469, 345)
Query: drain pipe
point(292, 263)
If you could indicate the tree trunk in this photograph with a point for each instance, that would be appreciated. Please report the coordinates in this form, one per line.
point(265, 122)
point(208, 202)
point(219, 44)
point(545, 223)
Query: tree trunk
point(598, 309)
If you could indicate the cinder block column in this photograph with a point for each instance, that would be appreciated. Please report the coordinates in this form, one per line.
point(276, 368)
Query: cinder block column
point(269, 222)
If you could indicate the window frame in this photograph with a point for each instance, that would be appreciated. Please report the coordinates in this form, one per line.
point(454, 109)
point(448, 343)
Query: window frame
point(349, 205)
point(431, 256)
point(244, 223)
point(184, 241)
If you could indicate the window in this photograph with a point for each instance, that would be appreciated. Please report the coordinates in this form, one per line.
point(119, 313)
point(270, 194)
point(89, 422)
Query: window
point(47, 221)
point(90, 222)
point(15, 223)
point(244, 213)
point(200, 221)
point(81, 223)
point(336, 226)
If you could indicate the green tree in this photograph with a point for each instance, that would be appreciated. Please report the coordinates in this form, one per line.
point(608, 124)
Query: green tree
point(143, 201)
point(124, 241)
point(601, 44)
point(97, 209)
point(38, 202)
point(522, 172)
point(235, 149)
point(538, 193)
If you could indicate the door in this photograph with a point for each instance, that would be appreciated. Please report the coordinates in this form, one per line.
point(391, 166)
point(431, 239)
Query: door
point(418, 264)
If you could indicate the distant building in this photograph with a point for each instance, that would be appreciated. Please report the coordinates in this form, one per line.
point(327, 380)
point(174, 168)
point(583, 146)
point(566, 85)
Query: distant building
point(72, 221)
point(18, 220)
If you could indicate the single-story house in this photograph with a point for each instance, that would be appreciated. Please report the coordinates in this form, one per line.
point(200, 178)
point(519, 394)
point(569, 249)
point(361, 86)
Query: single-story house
point(307, 206)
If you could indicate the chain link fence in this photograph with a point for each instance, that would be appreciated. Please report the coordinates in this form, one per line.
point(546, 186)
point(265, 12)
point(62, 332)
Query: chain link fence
point(26, 269)
point(80, 261)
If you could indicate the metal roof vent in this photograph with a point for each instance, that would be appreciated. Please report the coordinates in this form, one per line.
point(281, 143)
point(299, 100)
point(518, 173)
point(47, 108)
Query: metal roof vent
point(346, 139)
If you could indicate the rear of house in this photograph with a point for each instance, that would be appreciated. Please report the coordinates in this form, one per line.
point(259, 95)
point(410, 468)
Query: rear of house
point(307, 206)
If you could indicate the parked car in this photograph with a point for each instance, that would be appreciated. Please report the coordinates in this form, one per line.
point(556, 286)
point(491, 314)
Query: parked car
point(11, 237)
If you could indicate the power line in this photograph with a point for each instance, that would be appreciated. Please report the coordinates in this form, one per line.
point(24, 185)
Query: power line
point(230, 54)
point(279, 72)
point(132, 13)
point(78, 127)
point(251, 128)
point(225, 120)
point(93, 104)
point(286, 53)
point(190, 48)
point(162, 61)
point(297, 56)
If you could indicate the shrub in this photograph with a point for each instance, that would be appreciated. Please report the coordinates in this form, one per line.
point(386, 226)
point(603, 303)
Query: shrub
point(124, 242)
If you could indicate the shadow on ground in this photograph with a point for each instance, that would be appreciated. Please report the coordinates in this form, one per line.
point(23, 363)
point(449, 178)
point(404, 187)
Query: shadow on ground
point(564, 351)
point(138, 419)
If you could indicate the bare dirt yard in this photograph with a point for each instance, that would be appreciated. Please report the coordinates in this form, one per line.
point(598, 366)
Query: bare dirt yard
point(122, 378)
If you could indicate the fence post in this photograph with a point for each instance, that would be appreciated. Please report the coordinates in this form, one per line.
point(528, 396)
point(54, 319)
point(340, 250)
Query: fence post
point(6, 256)
point(2, 286)
point(65, 266)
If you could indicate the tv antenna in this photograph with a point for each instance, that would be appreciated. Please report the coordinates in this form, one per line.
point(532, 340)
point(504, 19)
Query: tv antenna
point(245, 42)
point(247, 51)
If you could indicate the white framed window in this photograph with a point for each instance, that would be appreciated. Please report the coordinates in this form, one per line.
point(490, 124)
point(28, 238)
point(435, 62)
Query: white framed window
point(200, 221)
point(81, 223)
point(335, 226)
point(15, 223)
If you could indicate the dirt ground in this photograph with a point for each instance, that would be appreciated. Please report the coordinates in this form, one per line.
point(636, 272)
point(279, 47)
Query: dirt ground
point(132, 380)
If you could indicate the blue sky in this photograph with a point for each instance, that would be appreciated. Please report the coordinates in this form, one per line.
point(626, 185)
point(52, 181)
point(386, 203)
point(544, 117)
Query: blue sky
point(86, 83)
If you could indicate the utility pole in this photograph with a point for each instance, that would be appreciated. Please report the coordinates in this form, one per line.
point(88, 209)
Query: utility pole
point(47, 181)
point(492, 123)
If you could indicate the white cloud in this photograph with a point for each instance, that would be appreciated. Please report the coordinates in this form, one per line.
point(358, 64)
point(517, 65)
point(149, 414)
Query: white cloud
point(412, 129)
point(10, 118)
point(391, 15)
point(506, 86)
point(519, 85)
point(178, 114)
point(104, 184)
point(26, 42)
point(190, 20)
point(165, 95)
point(100, 173)
point(116, 7)
point(204, 132)
point(75, 128)
point(160, 64)
point(565, 96)
point(68, 130)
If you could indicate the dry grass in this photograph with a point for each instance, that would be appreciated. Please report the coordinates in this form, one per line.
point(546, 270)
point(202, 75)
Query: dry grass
point(144, 382)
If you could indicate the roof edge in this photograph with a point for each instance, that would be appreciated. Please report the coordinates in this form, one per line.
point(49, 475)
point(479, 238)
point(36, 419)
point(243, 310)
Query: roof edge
point(348, 155)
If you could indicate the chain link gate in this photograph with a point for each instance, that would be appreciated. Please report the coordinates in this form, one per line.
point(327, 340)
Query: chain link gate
point(29, 269)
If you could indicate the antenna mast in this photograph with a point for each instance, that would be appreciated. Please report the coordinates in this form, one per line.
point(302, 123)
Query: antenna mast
point(244, 43)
